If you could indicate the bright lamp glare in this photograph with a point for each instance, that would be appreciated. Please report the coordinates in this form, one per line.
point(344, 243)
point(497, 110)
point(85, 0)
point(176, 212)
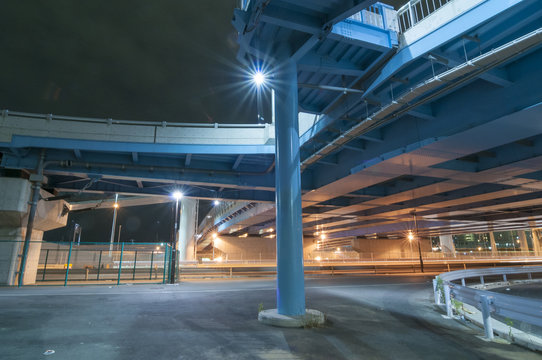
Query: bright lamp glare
point(177, 195)
point(216, 202)
point(258, 78)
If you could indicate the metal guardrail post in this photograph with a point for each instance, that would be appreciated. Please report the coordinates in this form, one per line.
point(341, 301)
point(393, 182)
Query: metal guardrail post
point(448, 300)
point(463, 282)
point(486, 314)
point(135, 262)
point(45, 265)
point(120, 263)
point(150, 267)
point(504, 278)
point(436, 291)
point(68, 264)
point(482, 280)
point(99, 265)
point(165, 263)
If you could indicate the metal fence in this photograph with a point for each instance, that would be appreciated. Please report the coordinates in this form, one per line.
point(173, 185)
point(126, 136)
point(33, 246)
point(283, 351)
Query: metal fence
point(489, 303)
point(416, 10)
point(94, 263)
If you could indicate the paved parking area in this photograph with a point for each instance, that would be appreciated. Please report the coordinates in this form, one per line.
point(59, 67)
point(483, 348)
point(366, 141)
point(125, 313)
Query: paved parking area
point(369, 317)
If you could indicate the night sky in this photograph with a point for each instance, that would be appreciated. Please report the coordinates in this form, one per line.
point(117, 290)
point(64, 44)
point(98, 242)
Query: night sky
point(149, 223)
point(160, 60)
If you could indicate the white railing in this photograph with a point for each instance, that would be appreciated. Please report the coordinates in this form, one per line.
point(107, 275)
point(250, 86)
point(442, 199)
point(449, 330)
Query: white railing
point(378, 15)
point(161, 124)
point(488, 302)
point(417, 10)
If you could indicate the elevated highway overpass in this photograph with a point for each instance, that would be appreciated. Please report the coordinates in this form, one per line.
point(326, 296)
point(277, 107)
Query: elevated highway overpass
point(439, 119)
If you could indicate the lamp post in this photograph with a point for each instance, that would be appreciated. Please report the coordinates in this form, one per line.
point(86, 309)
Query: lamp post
point(177, 195)
point(115, 207)
point(418, 239)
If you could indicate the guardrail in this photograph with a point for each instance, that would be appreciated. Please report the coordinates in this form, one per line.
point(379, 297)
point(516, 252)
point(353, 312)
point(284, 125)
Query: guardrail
point(378, 15)
point(110, 121)
point(416, 10)
point(488, 302)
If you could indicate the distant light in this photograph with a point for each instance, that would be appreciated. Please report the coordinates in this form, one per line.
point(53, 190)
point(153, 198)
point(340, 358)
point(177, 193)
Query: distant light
point(219, 259)
point(243, 235)
point(338, 249)
point(318, 258)
point(161, 244)
point(259, 78)
point(216, 202)
point(323, 236)
point(116, 205)
point(270, 230)
point(479, 248)
point(410, 236)
point(214, 235)
point(208, 216)
point(158, 248)
point(177, 195)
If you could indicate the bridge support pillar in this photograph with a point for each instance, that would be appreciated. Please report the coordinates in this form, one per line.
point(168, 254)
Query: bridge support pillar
point(447, 245)
point(523, 244)
point(15, 194)
point(187, 230)
point(290, 276)
point(537, 247)
point(492, 241)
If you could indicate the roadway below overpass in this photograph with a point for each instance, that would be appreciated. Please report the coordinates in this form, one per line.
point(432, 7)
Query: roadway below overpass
point(370, 317)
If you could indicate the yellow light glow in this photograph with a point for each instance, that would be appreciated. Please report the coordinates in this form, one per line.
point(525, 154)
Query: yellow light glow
point(410, 236)
point(158, 248)
point(338, 249)
point(243, 235)
point(479, 248)
point(323, 236)
point(270, 230)
point(116, 205)
point(219, 259)
point(318, 258)
point(214, 235)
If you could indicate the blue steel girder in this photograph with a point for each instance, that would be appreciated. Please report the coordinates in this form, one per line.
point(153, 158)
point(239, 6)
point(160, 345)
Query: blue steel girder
point(115, 146)
point(452, 30)
point(131, 187)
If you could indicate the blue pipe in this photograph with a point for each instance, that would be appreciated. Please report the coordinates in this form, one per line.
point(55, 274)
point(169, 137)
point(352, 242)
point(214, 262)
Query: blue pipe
point(290, 276)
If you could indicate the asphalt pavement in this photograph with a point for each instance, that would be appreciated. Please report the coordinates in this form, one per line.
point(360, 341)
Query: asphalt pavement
point(368, 317)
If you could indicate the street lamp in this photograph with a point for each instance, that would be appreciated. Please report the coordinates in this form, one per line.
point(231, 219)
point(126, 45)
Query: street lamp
point(115, 207)
point(259, 79)
point(177, 195)
point(418, 239)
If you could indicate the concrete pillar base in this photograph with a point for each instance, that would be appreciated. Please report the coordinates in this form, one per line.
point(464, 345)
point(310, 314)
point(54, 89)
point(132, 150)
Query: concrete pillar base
point(311, 318)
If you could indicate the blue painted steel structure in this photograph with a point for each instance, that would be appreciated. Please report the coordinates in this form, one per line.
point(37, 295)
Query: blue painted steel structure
point(290, 272)
point(446, 126)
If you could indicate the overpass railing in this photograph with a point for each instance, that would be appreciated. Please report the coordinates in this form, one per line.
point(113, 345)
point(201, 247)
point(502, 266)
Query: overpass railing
point(110, 121)
point(416, 10)
point(490, 303)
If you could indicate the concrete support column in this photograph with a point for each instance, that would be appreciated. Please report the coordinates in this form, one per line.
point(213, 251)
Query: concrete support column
point(290, 276)
point(15, 194)
point(492, 241)
point(524, 245)
point(536, 242)
point(187, 229)
point(447, 245)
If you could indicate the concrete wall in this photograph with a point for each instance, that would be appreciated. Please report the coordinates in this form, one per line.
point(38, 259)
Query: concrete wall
point(389, 248)
point(253, 248)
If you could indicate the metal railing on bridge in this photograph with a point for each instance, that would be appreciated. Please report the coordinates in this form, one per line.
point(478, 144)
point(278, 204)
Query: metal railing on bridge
point(416, 10)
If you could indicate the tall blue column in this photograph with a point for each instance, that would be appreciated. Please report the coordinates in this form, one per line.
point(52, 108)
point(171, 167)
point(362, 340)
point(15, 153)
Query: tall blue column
point(290, 277)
